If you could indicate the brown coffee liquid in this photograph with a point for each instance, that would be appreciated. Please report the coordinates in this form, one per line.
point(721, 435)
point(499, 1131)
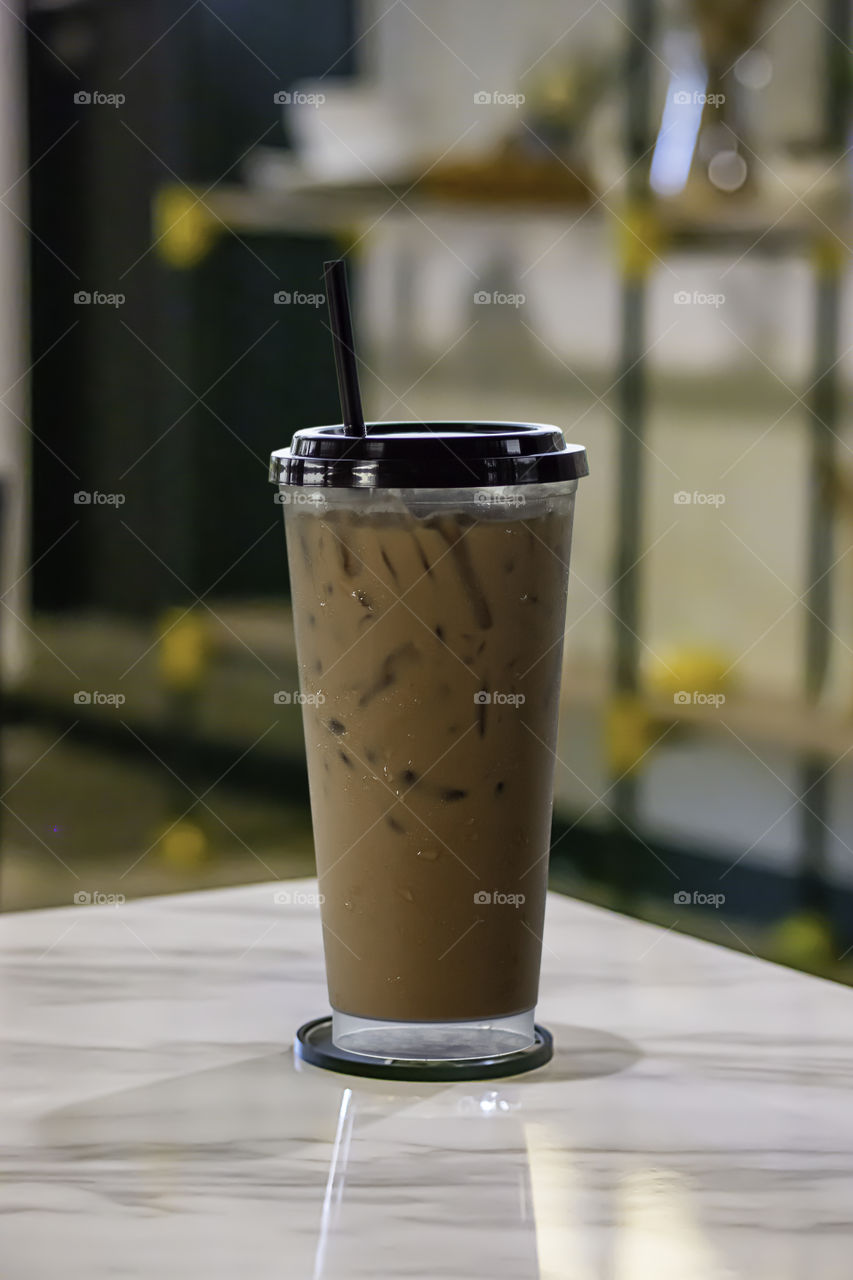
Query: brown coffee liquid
point(431, 780)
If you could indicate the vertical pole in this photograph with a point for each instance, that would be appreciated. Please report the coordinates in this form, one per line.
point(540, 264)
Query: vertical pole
point(631, 389)
point(824, 412)
point(15, 456)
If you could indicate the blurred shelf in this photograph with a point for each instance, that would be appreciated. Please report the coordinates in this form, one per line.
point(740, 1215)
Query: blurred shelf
point(772, 222)
point(252, 656)
point(790, 725)
point(312, 209)
point(784, 219)
point(759, 719)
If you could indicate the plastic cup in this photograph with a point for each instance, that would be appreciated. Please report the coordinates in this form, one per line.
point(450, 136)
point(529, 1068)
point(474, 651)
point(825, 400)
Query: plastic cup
point(429, 565)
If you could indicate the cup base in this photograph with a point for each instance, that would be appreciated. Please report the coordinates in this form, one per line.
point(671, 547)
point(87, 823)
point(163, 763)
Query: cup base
point(433, 1041)
point(313, 1045)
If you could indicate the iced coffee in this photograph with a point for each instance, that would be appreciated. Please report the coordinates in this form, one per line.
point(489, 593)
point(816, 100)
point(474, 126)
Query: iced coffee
point(429, 627)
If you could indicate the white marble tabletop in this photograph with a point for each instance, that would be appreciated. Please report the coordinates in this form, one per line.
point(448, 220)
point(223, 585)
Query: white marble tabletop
point(695, 1124)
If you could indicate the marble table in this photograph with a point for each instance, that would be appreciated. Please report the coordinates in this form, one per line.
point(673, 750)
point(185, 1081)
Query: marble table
point(695, 1124)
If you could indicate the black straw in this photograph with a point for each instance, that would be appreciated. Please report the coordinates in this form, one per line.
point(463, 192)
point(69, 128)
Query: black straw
point(344, 346)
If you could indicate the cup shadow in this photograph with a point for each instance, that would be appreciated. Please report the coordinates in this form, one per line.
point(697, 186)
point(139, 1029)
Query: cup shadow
point(582, 1053)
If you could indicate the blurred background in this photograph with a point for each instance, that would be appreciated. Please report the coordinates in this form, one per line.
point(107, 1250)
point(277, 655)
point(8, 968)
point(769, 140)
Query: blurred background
point(630, 219)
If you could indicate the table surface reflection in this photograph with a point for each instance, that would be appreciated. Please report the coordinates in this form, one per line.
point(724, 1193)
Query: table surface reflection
point(696, 1122)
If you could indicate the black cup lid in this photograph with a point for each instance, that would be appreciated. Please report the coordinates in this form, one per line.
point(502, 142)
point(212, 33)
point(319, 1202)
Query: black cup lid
point(429, 455)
